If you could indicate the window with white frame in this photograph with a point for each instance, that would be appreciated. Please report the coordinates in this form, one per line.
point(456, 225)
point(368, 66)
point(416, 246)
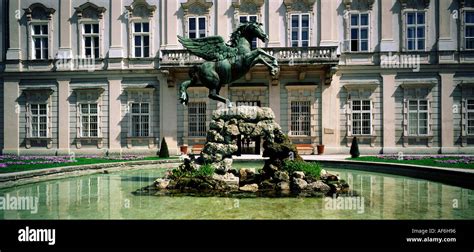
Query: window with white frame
point(197, 27)
point(141, 39)
point(470, 117)
point(197, 119)
point(469, 30)
point(300, 30)
point(359, 32)
point(415, 30)
point(249, 18)
point(140, 115)
point(40, 39)
point(418, 117)
point(39, 120)
point(300, 118)
point(89, 120)
point(361, 117)
point(91, 40)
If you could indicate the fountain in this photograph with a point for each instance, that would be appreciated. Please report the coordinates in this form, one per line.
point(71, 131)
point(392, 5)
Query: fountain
point(284, 173)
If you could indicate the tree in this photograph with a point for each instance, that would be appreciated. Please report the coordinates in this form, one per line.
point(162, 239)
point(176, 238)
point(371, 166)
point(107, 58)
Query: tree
point(164, 153)
point(355, 148)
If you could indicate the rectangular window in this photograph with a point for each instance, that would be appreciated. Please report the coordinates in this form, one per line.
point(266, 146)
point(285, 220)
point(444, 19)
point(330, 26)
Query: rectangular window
point(90, 120)
point(197, 119)
point(39, 120)
point(359, 32)
point(140, 119)
point(197, 27)
point(470, 117)
point(40, 41)
point(418, 117)
point(415, 33)
point(300, 118)
point(249, 18)
point(141, 39)
point(91, 40)
point(300, 30)
point(361, 117)
point(469, 30)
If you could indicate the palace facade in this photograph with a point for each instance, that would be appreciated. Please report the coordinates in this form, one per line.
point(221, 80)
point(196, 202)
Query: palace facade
point(102, 76)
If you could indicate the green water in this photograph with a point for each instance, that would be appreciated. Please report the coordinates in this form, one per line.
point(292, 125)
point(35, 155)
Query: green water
point(109, 196)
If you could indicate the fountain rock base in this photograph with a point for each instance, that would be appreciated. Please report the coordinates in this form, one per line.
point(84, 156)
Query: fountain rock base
point(211, 174)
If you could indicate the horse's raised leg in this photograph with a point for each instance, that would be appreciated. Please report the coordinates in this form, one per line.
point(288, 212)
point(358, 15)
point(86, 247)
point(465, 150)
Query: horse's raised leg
point(272, 67)
point(183, 95)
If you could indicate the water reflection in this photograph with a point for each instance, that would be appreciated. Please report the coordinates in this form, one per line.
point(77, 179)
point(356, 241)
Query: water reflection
point(108, 196)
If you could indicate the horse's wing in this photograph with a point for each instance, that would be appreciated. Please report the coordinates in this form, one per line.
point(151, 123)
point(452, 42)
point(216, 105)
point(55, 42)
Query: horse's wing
point(209, 48)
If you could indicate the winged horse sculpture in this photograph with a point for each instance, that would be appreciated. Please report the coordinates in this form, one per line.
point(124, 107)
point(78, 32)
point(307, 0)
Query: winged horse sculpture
point(225, 63)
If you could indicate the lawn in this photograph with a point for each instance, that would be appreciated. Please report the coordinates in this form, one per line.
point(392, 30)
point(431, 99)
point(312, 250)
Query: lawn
point(466, 162)
point(10, 163)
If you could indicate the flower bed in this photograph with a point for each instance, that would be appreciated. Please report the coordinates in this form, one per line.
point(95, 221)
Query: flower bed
point(11, 163)
point(448, 161)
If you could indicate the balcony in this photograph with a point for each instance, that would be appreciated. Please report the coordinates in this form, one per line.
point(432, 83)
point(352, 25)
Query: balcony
point(285, 56)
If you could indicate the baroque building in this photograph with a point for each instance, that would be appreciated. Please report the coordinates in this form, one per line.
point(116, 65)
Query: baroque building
point(102, 76)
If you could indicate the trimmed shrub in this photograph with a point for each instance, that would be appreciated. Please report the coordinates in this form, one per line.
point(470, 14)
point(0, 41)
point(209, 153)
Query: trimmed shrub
point(164, 153)
point(355, 148)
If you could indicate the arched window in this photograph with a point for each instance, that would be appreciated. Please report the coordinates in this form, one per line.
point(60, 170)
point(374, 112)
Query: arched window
point(300, 20)
point(90, 29)
point(141, 26)
point(197, 18)
point(40, 31)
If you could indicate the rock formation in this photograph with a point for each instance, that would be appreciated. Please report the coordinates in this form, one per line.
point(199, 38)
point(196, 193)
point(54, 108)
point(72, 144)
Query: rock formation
point(272, 180)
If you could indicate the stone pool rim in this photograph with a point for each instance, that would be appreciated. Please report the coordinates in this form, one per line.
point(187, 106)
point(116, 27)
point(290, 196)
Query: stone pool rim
point(451, 176)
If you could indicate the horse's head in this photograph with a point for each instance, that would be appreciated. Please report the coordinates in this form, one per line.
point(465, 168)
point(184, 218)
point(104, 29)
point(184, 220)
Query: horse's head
point(253, 30)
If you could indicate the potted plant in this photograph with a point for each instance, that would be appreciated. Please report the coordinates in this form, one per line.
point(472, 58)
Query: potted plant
point(184, 149)
point(320, 148)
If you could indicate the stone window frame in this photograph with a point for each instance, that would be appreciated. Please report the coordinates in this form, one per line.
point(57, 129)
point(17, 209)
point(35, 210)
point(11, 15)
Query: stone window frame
point(204, 132)
point(405, 13)
point(294, 7)
point(409, 6)
point(85, 20)
point(313, 111)
point(141, 94)
point(247, 8)
point(92, 95)
point(137, 13)
point(191, 91)
point(463, 25)
point(197, 31)
point(32, 21)
point(357, 7)
point(418, 87)
point(239, 87)
point(467, 116)
point(38, 95)
point(465, 85)
point(196, 9)
point(361, 88)
point(418, 112)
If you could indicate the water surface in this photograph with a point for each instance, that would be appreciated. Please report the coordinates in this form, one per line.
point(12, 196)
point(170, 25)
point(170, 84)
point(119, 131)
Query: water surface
point(109, 196)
